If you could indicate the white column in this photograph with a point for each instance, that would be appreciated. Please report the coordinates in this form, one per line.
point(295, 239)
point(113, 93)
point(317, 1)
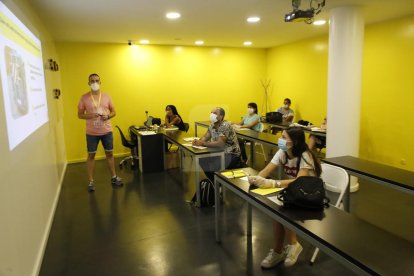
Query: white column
point(346, 38)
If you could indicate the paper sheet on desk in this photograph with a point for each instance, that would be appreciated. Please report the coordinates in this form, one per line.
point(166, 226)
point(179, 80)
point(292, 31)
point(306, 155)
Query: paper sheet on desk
point(268, 191)
point(318, 129)
point(171, 128)
point(196, 147)
point(147, 132)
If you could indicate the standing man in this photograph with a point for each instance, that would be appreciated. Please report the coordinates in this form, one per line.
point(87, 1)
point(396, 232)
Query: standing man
point(97, 109)
point(220, 134)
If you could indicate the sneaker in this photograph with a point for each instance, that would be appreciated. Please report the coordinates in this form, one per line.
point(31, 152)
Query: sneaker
point(91, 187)
point(272, 259)
point(116, 182)
point(292, 253)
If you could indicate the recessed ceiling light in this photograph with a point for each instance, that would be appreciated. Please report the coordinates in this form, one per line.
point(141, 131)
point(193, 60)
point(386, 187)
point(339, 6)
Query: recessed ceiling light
point(319, 22)
point(199, 42)
point(253, 19)
point(247, 43)
point(144, 41)
point(173, 15)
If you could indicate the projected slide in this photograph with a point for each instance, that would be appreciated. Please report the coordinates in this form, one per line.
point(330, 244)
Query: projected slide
point(22, 78)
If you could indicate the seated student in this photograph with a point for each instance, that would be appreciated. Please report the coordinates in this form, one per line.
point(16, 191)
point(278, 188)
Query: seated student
point(297, 160)
point(318, 141)
point(172, 118)
point(287, 112)
point(250, 120)
point(220, 134)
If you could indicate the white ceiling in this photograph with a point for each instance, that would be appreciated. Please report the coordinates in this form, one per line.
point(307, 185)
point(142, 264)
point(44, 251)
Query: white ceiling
point(217, 22)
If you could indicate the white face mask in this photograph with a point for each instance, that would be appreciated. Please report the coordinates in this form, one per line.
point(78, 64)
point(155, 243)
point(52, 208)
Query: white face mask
point(250, 110)
point(213, 118)
point(286, 106)
point(94, 86)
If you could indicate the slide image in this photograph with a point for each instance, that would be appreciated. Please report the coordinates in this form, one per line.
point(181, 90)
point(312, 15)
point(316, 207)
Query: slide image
point(16, 79)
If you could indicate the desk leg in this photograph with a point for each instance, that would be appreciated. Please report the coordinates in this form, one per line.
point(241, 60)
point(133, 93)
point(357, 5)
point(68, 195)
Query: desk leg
point(253, 153)
point(197, 180)
point(249, 220)
point(347, 199)
point(217, 207)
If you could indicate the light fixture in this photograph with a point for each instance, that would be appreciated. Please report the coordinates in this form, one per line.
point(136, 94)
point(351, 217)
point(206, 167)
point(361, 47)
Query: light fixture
point(253, 19)
point(144, 41)
point(129, 42)
point(173, 15)
point(247, 43)
point(199, 42)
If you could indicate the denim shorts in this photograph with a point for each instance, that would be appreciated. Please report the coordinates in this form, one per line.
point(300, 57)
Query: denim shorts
point(93, 141)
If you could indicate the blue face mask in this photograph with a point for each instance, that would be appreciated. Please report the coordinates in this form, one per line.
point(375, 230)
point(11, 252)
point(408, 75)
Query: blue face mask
point(281, 143)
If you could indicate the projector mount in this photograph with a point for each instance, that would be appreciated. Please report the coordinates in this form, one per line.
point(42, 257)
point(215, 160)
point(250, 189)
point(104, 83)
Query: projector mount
point(315, 7)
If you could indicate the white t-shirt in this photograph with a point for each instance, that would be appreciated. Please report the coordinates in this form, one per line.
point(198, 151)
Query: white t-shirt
point(289, 167)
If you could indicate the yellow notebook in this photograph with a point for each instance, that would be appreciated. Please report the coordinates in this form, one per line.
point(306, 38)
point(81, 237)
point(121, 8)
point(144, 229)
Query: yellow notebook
point(234, 174)
point(268, 191)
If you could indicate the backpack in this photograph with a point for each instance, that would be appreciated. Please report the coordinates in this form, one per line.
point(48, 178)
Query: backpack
point(306, 192)
point(207, 194)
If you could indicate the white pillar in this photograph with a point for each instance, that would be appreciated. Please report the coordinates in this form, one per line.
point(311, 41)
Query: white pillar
point(346, 38)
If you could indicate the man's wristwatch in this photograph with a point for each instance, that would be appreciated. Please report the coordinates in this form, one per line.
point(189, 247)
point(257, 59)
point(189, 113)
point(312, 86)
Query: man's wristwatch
point(276, 184)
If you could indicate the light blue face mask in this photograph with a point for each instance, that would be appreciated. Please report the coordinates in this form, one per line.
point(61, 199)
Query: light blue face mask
point(281, 143)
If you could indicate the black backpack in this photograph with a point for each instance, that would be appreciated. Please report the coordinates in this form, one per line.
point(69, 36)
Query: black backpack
point(207, 194)
point(306, 192)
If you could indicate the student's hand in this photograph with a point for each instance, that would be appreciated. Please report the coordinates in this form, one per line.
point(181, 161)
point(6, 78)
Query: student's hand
point(198, 142)
point(260, 182)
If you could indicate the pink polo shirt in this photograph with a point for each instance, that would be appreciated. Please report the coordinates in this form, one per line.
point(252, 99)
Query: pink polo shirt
point(100, 103)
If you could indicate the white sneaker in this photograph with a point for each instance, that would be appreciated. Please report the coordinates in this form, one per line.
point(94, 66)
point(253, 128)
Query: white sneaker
point(292, 253)
point(272, 259)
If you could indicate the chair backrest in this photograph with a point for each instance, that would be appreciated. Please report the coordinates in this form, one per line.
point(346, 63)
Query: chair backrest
point(336, 180)
point(186, 127)
point(261, 127)
point(124, 140)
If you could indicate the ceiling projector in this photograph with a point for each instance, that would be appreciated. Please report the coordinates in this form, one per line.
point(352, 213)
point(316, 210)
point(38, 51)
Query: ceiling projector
point(299, 15)
point(315, 7)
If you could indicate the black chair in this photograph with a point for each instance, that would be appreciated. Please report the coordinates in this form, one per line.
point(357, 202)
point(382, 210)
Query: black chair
point(128, 144)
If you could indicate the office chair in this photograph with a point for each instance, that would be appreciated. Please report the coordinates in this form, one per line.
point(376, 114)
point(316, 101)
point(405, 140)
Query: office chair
point(128, 144)
point(336, 180)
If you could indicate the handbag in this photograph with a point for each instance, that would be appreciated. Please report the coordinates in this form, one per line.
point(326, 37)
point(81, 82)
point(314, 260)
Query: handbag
point(305, 192)
point(274, 117)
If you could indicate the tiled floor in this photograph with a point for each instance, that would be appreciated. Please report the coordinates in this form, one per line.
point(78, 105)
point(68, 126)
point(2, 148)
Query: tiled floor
point(148, 228)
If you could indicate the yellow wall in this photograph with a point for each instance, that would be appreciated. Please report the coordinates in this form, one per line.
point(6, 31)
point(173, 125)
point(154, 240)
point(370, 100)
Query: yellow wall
point(387, 94)
point(299, 71)
point(196, 79)
point(140, 78)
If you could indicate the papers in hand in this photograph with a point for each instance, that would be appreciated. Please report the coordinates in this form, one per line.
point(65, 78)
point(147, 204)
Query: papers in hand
point(234, 174)
point(171, 128)
point(190, 139)
point(147, 132)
